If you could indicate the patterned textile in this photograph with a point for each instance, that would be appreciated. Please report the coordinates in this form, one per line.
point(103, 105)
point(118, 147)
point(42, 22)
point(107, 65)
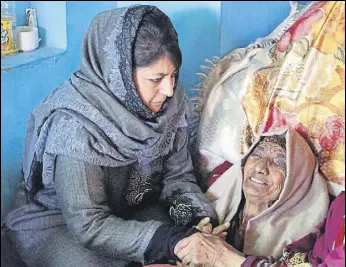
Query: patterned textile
point(218, 117)
point(304, 88)
point(139, 185)
point(294, 77)
point(181, 210)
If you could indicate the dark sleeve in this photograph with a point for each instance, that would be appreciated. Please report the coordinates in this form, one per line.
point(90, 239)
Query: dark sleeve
point(81, 189)
point(161, 246)
point(185, 199)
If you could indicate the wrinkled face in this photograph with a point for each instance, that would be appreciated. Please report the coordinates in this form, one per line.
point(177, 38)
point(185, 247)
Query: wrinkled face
point(155, 83)
point(264, 172)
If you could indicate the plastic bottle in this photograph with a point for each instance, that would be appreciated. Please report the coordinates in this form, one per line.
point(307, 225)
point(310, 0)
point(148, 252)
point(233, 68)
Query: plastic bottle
point(8, 27)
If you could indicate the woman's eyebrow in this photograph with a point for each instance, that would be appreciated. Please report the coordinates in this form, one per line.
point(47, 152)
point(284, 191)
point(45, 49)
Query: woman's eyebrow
point(162, 74)
point(158, 74)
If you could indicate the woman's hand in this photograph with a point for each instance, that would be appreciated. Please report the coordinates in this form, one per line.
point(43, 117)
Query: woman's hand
point(205, 227)
point(221, 230)
point(207, 250)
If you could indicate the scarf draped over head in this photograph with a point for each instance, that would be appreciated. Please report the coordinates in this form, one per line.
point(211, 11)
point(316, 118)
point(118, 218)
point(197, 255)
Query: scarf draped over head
point(301, 206)
point(97, 115)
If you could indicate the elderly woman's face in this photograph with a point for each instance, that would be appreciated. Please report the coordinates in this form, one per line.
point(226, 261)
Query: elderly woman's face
point(264, 172)
point(155, 83)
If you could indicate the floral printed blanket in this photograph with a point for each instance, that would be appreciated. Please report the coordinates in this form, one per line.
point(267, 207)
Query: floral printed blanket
point(295, 76)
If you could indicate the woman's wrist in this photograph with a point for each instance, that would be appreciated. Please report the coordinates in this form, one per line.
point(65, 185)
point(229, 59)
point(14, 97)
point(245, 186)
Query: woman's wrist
point(229, 258)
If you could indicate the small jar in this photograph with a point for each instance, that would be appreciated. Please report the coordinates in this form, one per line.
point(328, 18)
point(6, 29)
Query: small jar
point(8, 27)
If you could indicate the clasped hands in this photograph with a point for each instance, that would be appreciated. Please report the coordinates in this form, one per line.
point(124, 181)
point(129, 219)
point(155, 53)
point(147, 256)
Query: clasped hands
point(207, 248)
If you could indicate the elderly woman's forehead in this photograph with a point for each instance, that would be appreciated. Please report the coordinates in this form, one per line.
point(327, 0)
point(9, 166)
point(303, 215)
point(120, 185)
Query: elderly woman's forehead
point(269, 144)
point(275, 140)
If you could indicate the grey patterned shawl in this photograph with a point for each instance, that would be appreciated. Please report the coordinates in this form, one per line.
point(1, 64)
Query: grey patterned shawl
point(97, 115)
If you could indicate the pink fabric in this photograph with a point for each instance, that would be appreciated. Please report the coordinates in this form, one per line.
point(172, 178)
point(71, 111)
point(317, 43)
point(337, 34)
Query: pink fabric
point(302, 26)
point(324, 253)
point(320, 245)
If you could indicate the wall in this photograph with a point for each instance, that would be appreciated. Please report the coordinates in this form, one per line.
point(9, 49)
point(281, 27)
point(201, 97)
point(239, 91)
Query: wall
point(51, 22)
point(243, 22)
point(20, 12)
point(205, 28)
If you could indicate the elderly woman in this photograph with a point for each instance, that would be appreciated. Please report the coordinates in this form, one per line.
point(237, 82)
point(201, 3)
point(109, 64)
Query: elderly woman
point(322, 248)
point(273, 196)
point(108, 179)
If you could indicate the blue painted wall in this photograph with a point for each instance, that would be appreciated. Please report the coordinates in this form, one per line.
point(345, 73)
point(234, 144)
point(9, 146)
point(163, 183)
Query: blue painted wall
point(20, 12)
point(51, 22)
point(205, 28)
point(243, 22)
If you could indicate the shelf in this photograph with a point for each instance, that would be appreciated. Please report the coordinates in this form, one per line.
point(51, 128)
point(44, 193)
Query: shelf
point(24, 58)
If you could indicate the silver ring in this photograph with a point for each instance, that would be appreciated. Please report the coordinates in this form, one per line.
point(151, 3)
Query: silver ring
point(192, 265)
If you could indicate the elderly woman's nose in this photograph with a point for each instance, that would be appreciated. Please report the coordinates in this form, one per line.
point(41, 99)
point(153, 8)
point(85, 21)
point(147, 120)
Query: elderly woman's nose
point(262, 167)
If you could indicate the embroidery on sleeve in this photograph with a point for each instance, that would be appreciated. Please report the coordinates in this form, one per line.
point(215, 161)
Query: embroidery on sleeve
point(138, 186)
point(181, 209)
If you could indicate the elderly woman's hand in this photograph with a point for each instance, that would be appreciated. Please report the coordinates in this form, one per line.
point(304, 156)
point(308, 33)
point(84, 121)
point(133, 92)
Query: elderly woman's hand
point(207, 250)
point(205, 227)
